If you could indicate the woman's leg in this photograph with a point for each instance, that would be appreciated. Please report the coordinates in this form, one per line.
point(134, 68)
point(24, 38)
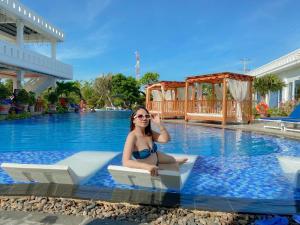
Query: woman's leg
point(164, 158)
point(167, 159)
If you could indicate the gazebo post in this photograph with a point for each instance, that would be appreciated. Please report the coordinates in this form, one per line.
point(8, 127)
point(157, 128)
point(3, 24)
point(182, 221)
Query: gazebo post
point(186, 100)
point(193, 97)
point(250, 99)
point(163, 101)
point(213, 98)
point(224, 105)
point(176, 101)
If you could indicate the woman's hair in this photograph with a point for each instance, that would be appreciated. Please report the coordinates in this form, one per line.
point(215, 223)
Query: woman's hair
point(148, 130)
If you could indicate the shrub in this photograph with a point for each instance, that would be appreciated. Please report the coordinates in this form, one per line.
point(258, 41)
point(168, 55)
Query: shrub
point(52, 97)
point(31, 98)
point(22, 97)
point(4, 92)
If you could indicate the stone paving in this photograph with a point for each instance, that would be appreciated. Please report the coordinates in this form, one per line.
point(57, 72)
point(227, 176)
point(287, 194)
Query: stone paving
point(37, 218)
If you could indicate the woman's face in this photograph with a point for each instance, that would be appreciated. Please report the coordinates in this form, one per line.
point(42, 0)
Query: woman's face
point(141, 118)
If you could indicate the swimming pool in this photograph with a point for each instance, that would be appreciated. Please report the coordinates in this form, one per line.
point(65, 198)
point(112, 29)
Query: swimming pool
point(230, 163)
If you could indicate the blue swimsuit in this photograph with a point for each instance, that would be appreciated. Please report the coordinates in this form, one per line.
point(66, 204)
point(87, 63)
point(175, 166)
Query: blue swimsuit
point(145, 153)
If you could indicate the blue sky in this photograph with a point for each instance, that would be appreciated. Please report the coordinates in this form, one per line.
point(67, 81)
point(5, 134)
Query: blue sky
point(175, 38)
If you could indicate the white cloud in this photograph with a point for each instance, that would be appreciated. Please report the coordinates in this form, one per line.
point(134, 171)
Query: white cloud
point(94, 8)
point(80, 52)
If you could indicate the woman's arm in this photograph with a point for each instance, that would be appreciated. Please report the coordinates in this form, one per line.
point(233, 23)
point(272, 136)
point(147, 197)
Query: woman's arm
point(163, 136)
point(128, 162)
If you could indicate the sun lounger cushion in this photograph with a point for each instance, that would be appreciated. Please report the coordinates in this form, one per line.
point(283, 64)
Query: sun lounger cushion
point(72, 170)
point(166, 179)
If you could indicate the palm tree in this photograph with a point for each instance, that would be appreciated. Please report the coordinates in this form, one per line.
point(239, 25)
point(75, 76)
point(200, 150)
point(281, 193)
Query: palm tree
point(102, 87)
point(266, 83)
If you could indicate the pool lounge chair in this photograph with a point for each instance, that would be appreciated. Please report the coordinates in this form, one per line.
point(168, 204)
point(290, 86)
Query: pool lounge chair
point(290, 166)
point(166, 179)
point(73, 170)
point(283, 122)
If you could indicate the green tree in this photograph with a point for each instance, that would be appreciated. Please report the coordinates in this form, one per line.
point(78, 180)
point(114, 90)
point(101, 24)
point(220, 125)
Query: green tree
point(9, 85)
point(269, 82)
point(149, 78)
point(64, 89)
point(103, 87)
point(125, 88)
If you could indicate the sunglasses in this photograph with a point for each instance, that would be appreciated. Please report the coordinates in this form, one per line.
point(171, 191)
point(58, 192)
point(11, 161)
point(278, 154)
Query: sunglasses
point(140, 116)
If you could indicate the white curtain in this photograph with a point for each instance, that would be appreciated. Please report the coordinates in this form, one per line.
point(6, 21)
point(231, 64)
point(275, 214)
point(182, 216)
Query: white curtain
point(239, 91)
point(181, 93)
point(199, 90)
point(190, 90)
point(156, 95)
point(168, 95)
point(219, 91)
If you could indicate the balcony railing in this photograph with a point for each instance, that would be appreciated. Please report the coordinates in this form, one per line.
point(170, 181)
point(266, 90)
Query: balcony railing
point(23, 58)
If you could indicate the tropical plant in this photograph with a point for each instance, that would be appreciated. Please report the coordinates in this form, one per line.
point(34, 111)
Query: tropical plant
point(9, 85)
point(269, 82)
point(52, 97)
point(22, 97)
point(31, 98)
point(63, 89)
point(4, 92)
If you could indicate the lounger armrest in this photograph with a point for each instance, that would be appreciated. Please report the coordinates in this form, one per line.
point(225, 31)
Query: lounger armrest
point(40, 173)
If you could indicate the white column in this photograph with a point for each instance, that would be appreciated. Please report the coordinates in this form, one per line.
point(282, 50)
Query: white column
point(285, 91)
point(20, 79)
point(293, 90)
point(53, 49)
point(20, 33)
point(14, 83)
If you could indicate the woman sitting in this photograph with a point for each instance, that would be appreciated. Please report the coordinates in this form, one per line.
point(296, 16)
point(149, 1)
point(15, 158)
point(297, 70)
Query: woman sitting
point(140, 144)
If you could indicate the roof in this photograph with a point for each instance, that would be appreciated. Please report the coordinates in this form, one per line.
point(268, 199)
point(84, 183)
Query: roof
point(167, 84)
point(35, 26)
point(218, 77)
point(283, 63)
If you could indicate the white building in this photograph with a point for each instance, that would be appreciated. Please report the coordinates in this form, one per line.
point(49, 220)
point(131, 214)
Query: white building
point(287, 68)
point(20, 25)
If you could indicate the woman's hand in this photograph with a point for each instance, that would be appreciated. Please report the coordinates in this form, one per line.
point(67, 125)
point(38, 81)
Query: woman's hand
point(153, 170)
point(156, 119)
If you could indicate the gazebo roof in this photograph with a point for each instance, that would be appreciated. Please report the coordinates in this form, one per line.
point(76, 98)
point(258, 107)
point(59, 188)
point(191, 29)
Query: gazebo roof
point(218, 77)
point(167, 84)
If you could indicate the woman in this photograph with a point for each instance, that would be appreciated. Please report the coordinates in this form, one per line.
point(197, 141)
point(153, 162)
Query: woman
point(140, 144)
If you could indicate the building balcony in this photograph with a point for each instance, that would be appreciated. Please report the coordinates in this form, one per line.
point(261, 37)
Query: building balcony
point(14, 57)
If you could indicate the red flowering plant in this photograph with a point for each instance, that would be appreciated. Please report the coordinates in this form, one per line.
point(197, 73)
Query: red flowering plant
point(285, 108)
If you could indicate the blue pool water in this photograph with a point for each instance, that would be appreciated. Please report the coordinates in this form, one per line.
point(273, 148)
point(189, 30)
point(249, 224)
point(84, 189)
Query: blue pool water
point(230, 163)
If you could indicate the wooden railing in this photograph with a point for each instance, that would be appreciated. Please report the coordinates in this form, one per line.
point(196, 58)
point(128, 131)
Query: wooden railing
point(169, 107)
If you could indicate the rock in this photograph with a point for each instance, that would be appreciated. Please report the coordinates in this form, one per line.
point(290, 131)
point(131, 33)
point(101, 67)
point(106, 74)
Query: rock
point(243, 221)
point(91, 206)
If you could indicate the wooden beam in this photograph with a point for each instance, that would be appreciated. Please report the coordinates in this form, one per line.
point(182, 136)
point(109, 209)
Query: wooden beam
point(250, 99)
point(224, 104)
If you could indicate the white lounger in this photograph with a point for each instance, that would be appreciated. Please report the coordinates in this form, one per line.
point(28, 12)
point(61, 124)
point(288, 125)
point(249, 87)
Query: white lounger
point(72, 170)
point(166, 179)
point(291, 168)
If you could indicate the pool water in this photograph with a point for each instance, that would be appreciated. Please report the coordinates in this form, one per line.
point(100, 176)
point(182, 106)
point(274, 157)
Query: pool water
point(230, 163)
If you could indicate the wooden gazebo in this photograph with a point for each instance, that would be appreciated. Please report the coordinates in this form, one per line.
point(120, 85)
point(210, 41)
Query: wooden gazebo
point(166, 98)
point(224, 97)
